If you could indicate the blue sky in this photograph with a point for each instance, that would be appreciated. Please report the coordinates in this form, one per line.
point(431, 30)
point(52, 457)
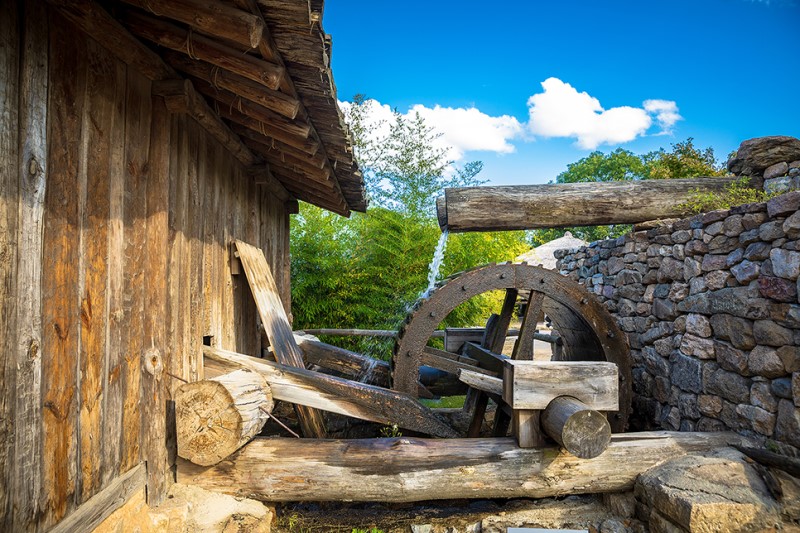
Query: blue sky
point(638, 75)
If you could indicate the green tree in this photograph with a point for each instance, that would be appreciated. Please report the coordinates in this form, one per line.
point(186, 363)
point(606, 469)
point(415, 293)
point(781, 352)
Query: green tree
point(685, 160)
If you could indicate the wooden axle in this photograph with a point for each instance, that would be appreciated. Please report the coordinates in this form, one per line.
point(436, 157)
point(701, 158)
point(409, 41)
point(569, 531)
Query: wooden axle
point(569, 204)
point(583, 432)
point(217, 416)
point(408, 469)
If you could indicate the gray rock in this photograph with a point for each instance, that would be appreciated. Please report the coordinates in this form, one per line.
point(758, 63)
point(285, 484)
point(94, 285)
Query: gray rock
point(687, 405)
point(753, 220)
point(732, 226)
point(760, 420)
point(697, 285)
point(769, 231)
point(697, 346)
point(698, 325)
point(780, 289)
point(787, 426)
point(790, 356)
point(728, 385)
point(710, 424)
point(627, 277)
point(691, 268)
point(654, 363)
point(781, 387)
point(731, 359)
point(749, 237)
point(743, 302)
point(761, 396)
point(670, 270)
point(791, 226)
point(713, 262)
point(746, 271)
point(709, 405)
point(776, 170)
point(681, 236)
point(663, 346)
point(687, 373)
point(734, 257)
point(781, 185)
point(769, 333)
point(764, 361)
point(714, 229)
point(678, 291)
point(662, 290)
point(657, 331)
point(783, 204)
point(615, 265)
point(717, 279)
point(696, 247)
point(664, 309)
point(757, 251)
point(755, 155)
point(785, 264)
point(796, 388)
point(738, 331)
point(722, 244)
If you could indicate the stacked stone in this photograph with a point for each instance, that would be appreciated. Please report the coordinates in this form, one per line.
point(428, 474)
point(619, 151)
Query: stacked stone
point(711, 308)
point(770, 162)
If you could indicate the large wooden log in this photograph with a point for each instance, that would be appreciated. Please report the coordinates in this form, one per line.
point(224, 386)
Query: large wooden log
point(329, 393)
point(583, 432)
point(217, 416)
point(407, 469)
point(211, 17)
point(573, 204)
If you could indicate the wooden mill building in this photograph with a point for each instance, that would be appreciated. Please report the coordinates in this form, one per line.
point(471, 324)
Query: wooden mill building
point(138, 139)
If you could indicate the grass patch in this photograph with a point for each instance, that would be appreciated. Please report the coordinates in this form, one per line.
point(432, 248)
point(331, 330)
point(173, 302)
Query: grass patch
point(444, 402)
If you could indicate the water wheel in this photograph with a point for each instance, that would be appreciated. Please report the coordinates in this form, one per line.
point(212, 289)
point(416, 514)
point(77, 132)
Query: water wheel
point(588, 331)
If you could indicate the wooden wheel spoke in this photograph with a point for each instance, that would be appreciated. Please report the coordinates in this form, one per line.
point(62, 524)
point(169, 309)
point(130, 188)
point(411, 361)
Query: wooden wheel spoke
point(523, 349)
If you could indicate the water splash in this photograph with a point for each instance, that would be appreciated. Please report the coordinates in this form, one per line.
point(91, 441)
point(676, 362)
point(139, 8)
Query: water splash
point(436, 264)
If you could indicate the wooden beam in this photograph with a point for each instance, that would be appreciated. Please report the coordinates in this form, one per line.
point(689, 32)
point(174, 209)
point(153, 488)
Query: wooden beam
point(486, 358)
point(534, 384)
point(241, 121)
point(523, 348)
point(572, 204)
point(329, 393)
point(295, 128)
point(211, 17)
point(481, 382)
point(103, 28)
point(261, 175)
point(309, 152)
point(345, 362)
point(97, 508)
point(451, 365)
point(180, 97)
point(273, 100)
point(217, 416)
point(408, 469)
point(276, 323)
point(176, 38)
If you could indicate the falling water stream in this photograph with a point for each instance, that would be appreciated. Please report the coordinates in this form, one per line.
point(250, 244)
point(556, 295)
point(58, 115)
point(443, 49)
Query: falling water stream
point(365, 376)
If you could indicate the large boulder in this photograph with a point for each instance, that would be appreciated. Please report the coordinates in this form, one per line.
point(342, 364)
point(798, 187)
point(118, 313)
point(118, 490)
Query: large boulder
point(755, 155)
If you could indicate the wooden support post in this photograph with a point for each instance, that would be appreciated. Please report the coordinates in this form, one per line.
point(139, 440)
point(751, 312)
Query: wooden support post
point(527, 428)
point(408, 469)
point(217, 416)
point(569, 204)
point(583, 432)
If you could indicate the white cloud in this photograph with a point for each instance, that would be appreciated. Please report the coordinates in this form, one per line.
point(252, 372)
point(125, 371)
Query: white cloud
point(666, 112)
point(559, 111)
point(469, 129)
point(562, 111)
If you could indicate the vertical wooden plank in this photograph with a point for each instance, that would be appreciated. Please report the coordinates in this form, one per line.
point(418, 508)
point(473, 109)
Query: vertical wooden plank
point(154, 360)
point(9, 210)
point(198, 149)
point(137, 149)
point(209, 245)
point(527, 428)
point(178, 275)
point(98, 124)
point(60, 253)
point(286, 289)
point(226, 279)
point(116, 325)
point(523, 349)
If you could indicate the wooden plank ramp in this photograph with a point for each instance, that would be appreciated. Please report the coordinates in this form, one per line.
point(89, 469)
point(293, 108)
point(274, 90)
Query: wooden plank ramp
point(276, 323)
point(329, 393)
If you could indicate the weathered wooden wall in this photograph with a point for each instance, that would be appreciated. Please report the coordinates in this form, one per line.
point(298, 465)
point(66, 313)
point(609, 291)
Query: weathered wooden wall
point(115, 219)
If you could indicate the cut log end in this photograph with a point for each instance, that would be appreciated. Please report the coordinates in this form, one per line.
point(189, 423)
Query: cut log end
point(216, 417)
point(583, 432)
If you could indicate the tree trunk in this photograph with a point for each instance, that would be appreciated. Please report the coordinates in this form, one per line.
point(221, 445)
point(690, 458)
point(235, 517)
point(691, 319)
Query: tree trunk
point(217, 416)
point(407, 469)
point(571, 204)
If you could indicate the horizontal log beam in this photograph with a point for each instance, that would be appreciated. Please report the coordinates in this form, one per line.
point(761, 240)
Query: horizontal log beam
point(255, 92)
point(481, 382)
point(570, 204)
point(408, 469)
point(304, 145)
point(329, 393)
point(176, 38)
point(210, 17)
point(180, 97)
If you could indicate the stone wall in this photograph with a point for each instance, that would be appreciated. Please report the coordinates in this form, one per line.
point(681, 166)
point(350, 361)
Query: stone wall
point(710, 306)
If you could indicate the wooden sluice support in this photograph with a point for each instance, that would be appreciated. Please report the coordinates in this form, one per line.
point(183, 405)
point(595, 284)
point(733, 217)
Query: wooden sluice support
point(571, 204)
point(408, 469)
